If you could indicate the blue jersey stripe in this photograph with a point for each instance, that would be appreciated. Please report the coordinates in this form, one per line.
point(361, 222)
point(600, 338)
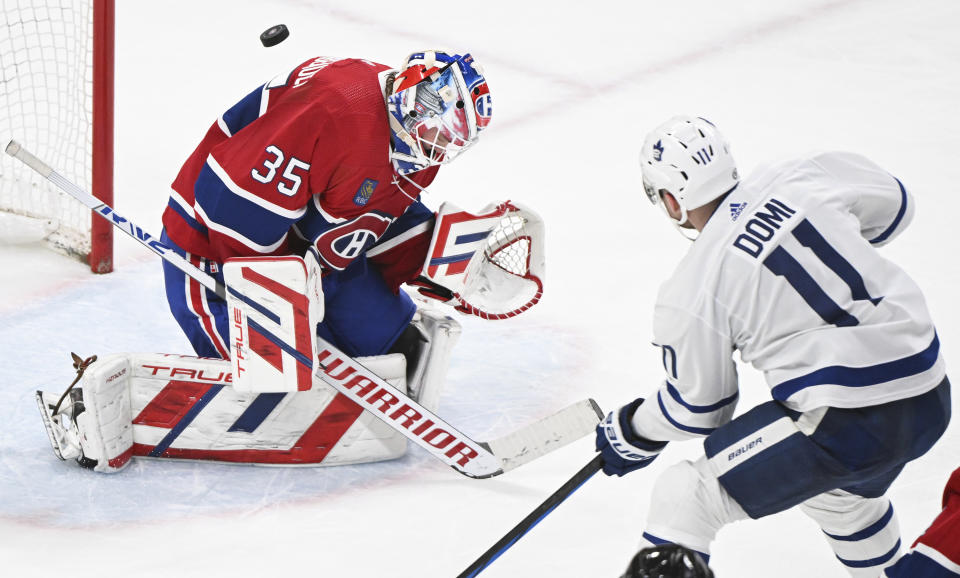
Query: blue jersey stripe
point(244, 112)
point(868, 531)
point(187, 218)
point(415, 215)
point(694, 430)
point(229, 210)
point(655, 540)
point(862, 376)
point(896, 220)
point(700, 408)
point(313, 224)
point(872, 561)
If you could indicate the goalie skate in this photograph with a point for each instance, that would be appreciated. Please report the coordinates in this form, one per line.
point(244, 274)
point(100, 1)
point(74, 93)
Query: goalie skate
point(61, 426)
point(60, 417)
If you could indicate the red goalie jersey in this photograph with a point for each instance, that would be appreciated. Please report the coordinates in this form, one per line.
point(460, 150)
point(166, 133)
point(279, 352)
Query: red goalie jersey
point(305, 155)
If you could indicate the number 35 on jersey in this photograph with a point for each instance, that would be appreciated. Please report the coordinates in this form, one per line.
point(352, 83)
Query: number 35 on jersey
point(287, 172)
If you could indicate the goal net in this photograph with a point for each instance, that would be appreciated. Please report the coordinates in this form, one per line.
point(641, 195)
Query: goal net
point(56, 97)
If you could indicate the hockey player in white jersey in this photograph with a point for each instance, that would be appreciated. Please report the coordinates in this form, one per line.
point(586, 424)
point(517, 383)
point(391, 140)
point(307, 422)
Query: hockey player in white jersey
point(785, 271)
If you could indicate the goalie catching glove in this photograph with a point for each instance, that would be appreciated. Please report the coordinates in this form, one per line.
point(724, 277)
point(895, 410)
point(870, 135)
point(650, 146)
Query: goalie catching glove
point(623, 450)
point(490, 264)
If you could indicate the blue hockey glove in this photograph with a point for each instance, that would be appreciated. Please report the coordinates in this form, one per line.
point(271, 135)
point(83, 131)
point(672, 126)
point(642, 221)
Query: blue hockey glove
point(623, 450)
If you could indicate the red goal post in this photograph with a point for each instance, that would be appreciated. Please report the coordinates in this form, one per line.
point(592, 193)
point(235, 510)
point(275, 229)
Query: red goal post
point(57, 95)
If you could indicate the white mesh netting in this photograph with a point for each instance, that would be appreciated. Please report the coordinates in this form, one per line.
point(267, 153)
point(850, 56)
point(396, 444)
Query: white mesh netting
point(46, 96)
point(505, 282)
point(508, 246)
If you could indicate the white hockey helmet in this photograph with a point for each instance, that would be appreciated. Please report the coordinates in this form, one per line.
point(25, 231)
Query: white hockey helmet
point(689, 158)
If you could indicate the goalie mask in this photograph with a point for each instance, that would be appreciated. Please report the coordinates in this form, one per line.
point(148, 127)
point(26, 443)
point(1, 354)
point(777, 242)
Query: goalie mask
point(691, 160)
point(437, 104)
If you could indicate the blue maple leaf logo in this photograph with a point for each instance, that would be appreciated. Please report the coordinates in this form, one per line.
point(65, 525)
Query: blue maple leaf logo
point(658, 151)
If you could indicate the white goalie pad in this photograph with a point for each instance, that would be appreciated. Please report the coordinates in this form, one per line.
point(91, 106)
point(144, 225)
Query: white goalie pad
point(427, 374)
point(493, 262)
point(180, 407)
point(274, 304)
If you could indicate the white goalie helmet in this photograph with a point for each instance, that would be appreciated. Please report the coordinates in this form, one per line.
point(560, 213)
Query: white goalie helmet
point(689, 158)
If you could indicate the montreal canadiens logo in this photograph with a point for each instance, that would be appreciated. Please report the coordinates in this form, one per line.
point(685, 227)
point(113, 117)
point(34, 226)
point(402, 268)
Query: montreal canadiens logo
point(340, 245)
point(484, 106)
point(351, 245)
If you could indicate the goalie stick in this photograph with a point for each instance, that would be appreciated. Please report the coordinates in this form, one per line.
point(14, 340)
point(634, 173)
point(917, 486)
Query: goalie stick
point(365, 388)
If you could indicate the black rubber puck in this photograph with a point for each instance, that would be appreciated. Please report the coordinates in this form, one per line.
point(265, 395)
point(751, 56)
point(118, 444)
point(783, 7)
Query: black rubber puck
point(274, 35)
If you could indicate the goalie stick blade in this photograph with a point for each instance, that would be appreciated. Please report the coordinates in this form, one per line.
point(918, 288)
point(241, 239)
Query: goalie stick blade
point(549, 434)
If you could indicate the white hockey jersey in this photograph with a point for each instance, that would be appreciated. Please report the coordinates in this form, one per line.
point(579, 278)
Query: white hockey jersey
point(787, 273)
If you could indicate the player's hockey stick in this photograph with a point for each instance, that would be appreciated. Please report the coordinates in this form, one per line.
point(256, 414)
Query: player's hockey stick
point(534, 517)
point(418, 424)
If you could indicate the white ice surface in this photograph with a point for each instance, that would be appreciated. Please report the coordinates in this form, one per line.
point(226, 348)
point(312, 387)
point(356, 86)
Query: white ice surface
point(576, 85)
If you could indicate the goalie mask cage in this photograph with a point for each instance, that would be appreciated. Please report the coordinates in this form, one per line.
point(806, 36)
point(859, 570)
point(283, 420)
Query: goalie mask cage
point(56, 96)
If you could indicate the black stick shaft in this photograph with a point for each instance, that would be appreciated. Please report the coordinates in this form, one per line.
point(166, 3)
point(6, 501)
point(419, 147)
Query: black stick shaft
point(534, 517)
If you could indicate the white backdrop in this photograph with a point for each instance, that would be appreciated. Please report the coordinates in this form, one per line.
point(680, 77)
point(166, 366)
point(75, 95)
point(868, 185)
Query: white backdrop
point(575, 87)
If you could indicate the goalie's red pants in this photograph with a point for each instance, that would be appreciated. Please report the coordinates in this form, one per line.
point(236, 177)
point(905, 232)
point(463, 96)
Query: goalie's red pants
point(363, 316)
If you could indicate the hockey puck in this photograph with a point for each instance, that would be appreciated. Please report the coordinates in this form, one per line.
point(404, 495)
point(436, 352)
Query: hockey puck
point(274, 35)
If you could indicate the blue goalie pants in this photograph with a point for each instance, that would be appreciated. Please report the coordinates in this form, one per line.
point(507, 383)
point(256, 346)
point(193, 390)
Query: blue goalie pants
point(362, 315)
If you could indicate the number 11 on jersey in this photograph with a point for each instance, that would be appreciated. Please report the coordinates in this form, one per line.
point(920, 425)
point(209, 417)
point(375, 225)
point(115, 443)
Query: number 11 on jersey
point(781, 263)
